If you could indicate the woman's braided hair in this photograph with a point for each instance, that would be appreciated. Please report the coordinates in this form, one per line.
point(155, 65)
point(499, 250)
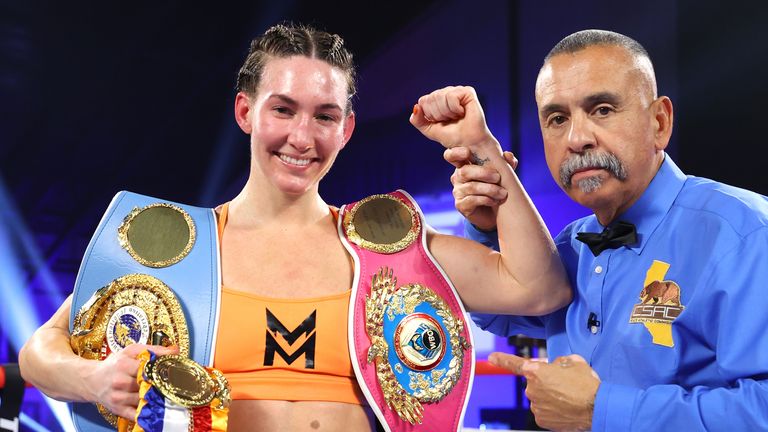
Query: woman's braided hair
point(286, 40)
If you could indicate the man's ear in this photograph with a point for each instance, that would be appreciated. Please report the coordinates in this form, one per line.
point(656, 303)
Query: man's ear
point(663, 119)
point(243, 112)
point(349, 127)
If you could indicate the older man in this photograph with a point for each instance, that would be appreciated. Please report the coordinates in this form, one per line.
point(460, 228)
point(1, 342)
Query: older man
point(667, 329)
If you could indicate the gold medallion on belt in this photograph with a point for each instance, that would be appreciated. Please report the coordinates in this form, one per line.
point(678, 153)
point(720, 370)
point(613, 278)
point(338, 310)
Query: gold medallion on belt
point(187, 383)
point(382, 223)
point(158, 235)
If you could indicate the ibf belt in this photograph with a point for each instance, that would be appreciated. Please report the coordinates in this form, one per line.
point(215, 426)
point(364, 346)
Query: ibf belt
point(409, 340)
point(150, 275)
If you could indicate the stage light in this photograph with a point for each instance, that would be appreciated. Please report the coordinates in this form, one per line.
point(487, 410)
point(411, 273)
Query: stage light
point(19, 316)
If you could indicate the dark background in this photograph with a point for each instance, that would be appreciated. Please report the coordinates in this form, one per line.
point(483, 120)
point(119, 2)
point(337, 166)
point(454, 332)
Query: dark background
point(99, 97)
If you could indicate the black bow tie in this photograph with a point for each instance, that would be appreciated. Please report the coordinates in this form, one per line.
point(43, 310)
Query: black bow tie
point(619, 234)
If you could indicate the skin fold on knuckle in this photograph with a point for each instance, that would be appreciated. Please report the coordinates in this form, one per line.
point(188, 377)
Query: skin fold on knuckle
point(466, 210)
point(114, 400)
point(461, 174)
point(464, 195)
point(460, 154)
point(471, 189)
point(489, 201)
point(466, 189)
point(534, 408)
point(486, 189)
point(473, 202)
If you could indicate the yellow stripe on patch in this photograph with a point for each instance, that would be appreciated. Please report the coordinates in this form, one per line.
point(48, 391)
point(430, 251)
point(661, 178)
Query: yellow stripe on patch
point(661, 332)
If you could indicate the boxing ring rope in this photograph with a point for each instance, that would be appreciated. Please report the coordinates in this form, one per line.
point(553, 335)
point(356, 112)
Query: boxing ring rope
point(9, 419)
point(482, 367)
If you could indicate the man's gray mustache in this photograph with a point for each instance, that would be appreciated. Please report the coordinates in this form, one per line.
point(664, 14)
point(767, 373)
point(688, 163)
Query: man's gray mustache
point(605, 160)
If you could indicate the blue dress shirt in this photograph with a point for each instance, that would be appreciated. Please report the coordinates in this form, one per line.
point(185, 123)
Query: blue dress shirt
point(710, 239)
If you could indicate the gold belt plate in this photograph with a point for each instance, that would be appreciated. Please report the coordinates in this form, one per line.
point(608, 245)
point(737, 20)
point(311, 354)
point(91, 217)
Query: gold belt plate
point(187, 383)
point(135, 308)
point(382, 223)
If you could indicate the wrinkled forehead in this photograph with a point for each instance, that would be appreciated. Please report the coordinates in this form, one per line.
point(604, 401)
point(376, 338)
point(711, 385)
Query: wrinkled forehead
point(600, 68)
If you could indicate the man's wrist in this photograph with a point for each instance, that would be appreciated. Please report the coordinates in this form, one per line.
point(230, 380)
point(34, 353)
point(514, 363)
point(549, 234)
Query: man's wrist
point(589, 411)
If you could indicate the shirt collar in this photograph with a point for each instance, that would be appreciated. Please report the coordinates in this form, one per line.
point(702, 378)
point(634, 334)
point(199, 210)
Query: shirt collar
point(655, 202)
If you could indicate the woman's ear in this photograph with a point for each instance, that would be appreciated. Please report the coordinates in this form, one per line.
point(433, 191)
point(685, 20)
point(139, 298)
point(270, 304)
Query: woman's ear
point(349, 127)
point(243, 112)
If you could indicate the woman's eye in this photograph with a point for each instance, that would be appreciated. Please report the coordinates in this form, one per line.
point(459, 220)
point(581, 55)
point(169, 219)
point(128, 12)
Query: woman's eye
point(326, 118)
point(281, 110)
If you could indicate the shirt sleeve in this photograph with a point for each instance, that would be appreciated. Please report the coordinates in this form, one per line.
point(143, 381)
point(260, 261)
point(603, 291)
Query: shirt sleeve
point(732, 306)
point(487, 238)
point(510, 325)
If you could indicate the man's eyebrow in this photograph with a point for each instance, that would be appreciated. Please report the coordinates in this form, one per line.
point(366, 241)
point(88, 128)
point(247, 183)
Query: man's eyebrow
point(551, 108)
point(586, 103)
point(601, 97)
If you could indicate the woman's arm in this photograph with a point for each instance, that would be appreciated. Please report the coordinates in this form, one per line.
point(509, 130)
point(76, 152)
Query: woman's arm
point(526, 277)
point(47, 361)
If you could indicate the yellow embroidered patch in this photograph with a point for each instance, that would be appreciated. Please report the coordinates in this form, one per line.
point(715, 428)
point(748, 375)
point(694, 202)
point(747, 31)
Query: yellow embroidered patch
point(659, 304)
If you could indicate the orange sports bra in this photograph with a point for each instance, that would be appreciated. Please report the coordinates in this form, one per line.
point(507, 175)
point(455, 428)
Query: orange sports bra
point(285, 349)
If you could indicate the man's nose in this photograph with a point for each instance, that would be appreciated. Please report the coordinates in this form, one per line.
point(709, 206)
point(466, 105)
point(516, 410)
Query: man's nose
point(580, 134)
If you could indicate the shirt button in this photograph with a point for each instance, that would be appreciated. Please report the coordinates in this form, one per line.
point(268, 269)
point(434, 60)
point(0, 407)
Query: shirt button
point(599, 269)
point(593, 329)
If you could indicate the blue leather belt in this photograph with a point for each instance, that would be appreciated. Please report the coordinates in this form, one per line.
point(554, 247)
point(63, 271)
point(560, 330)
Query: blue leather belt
point(195, 280)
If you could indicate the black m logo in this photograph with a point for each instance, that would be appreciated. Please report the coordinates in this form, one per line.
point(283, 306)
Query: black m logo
point(274, 326)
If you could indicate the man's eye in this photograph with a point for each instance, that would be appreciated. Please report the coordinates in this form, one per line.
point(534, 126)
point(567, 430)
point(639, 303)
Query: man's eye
point(557, 120)
point(604, 110)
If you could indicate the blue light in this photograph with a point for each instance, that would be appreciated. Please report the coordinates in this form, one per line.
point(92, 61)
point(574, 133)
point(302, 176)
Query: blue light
point(18, 312)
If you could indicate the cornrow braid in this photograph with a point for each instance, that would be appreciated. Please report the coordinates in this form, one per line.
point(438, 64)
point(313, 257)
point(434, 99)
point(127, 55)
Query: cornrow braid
point(286, 40)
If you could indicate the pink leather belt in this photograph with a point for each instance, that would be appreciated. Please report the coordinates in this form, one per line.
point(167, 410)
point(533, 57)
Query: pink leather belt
point(410, 343)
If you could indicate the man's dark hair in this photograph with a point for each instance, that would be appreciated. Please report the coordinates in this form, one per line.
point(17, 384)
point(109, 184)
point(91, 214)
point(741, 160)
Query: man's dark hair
point(286, 40)
point(586, 38)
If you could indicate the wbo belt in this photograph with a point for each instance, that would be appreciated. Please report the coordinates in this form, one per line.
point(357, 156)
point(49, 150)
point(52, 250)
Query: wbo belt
point(410, 343)
point(150, 274)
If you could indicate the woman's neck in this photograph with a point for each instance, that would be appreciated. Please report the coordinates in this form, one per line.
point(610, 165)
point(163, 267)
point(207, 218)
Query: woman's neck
point(260, 204)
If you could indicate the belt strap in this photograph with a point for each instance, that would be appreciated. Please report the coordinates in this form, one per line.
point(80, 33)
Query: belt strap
point(195, 279)
point(409, 339)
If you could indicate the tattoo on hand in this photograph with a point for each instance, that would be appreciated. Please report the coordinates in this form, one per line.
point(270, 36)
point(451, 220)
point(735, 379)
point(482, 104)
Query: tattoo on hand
point(475, 159)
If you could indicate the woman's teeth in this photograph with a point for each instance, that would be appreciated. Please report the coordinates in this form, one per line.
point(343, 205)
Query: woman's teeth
point(294, 161)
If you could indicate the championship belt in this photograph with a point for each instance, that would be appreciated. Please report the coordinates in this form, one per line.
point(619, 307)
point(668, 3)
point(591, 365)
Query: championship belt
point(135, 308)
point(410, 343)
point(150, 275)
